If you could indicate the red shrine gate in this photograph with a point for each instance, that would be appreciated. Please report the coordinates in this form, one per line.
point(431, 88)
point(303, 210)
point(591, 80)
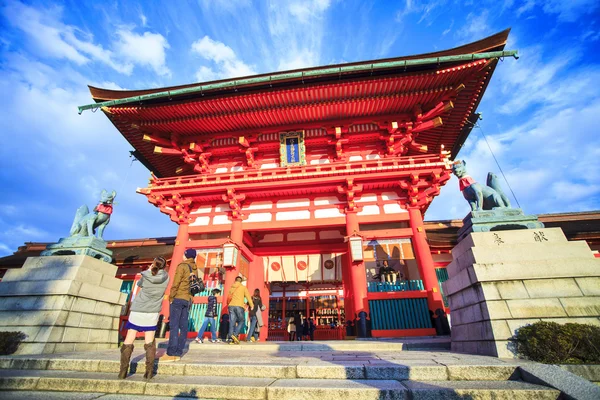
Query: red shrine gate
point(315, 177)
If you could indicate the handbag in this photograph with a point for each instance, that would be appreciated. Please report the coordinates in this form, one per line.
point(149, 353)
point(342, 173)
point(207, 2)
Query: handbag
point(196, 284)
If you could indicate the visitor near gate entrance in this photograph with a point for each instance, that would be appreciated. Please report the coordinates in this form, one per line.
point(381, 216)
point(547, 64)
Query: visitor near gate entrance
point(209, 318)
point(180, 299)
point(387, 273)
point(235, 305)
point(291, 328)
point(255, 315)
point(144, 315)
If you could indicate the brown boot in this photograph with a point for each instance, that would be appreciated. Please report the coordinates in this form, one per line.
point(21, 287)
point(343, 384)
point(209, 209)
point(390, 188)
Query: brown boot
point(126, 351)
point(150, 357)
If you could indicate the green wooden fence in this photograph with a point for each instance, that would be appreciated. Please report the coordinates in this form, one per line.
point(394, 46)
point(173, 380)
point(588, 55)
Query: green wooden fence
point(399, 314)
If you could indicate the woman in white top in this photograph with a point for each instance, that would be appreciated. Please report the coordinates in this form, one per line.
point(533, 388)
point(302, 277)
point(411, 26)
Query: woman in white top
point(145, 310)
point(291, 329)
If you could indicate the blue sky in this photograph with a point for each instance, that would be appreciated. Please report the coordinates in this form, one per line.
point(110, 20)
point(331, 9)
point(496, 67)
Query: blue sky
point(540, 112)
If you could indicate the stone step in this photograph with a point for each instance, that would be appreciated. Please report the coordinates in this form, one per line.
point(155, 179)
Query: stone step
point(424, 343)
point(509, 390)
point(350, 368)
point(233, 387)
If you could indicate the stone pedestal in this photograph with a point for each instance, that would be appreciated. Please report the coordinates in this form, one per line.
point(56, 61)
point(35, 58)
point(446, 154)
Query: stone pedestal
point(62, 304)
point(498, 219)
point(501, 281)
point(80, 245)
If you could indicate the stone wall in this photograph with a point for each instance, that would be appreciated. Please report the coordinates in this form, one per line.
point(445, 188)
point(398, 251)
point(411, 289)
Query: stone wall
point(501, 281)
point(62, 304)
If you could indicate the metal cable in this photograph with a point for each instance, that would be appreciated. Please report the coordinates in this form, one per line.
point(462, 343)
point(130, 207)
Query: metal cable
point(496, 160)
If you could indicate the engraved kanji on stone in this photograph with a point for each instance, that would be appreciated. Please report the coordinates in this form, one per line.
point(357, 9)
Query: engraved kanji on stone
point(497, 239)
point(539, 237)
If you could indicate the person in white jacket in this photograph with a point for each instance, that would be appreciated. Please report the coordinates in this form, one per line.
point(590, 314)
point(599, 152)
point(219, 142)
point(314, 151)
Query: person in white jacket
point(145, 310)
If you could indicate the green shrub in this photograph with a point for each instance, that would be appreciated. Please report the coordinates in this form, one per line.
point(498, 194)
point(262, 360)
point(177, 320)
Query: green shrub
point(10, 341)
point(552, 343)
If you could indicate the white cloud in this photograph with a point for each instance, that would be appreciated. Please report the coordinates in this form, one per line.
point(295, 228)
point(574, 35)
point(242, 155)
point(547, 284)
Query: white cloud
point(297, 29)
point(301, 59)
point(428, 10)
point(224, 5)
point(6, 250)
point(566, 11)
point(25, 231)
point(304, 11)
point(552, 83)
point(475, 27)
point(447, 31)
point(206, 74)
point(54, 39)
point(143, 19)
point(529, 4)
point(8, 209)
point(146, 49)
point(226, 62)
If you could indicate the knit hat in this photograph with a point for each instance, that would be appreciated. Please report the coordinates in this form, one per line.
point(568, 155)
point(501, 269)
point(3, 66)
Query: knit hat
point(190, 253)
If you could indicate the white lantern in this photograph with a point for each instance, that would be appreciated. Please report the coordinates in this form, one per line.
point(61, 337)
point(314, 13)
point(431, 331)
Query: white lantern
point(356, 248)
point(230, 254)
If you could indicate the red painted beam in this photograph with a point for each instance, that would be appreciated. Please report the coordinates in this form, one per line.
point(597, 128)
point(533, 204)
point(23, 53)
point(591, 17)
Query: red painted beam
point(411, 294)
point(403, 332)
point(290, 249)
point(386, 233)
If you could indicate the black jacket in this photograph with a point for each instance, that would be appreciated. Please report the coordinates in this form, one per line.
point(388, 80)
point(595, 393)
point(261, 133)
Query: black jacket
point(257, 306)
point(211, 309)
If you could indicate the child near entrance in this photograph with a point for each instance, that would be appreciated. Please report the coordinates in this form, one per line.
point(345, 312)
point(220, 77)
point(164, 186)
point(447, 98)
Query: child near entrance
point(209, 317)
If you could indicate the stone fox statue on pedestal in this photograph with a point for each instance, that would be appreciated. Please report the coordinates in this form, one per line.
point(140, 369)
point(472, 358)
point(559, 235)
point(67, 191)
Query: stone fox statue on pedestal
point(87, 223)
point(480, 197)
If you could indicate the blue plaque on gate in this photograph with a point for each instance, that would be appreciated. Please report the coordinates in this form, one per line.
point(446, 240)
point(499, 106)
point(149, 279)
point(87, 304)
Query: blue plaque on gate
point(291, 149)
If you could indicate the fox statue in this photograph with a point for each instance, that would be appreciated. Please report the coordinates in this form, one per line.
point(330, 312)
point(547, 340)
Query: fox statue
point(480, 197)
point(93, 223)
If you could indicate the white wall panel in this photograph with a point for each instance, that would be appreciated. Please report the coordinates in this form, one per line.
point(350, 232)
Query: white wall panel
point(328, 213)
point(292, 215)
point(393, 209)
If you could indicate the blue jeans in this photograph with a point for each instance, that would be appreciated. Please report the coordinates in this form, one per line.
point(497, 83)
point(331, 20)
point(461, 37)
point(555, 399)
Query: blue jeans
point(213, 328)
point(252, 330)
point(178, 323)
point(236, 320)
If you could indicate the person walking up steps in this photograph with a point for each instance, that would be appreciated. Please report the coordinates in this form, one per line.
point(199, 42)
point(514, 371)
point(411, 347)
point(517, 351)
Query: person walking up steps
point(209, 318)
point(145, 310)
point(180, 298)
point(235, 304)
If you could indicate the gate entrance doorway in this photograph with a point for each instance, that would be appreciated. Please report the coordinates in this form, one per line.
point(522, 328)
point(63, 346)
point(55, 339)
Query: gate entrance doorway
point(293, 307)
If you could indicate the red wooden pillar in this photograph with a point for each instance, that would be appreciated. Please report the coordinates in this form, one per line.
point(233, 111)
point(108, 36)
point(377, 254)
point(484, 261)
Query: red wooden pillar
point(256, 280)
point(358, 278)
point(177, 257)
point(347, 287)
point(232, 272)
point(424, 260)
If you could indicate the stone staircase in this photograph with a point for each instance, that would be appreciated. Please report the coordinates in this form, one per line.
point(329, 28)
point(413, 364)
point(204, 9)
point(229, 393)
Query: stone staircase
point(250, 372)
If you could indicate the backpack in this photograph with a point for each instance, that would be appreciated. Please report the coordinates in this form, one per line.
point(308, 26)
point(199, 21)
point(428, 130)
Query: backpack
point(196, 284)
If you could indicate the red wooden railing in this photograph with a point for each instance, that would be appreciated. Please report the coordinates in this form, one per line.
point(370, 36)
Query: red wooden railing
point(322, 170)
point(281, 335)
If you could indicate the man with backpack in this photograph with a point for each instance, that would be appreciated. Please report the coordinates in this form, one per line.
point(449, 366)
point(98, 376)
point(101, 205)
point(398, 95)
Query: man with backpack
point(185, 285)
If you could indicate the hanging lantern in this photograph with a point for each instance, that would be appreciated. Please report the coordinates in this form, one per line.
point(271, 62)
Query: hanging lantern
point(230, 254)
point(356, 248)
